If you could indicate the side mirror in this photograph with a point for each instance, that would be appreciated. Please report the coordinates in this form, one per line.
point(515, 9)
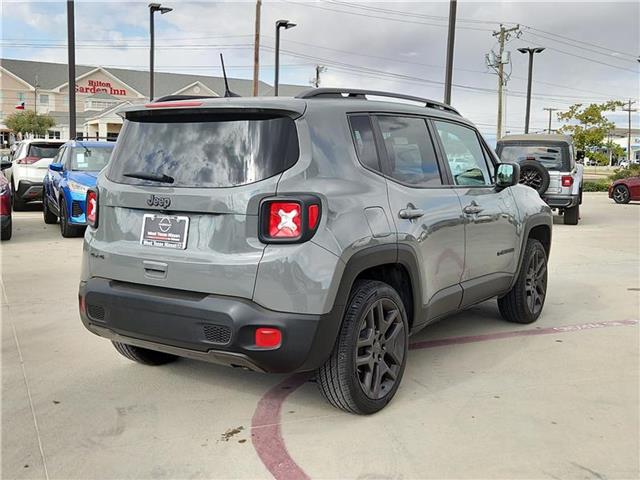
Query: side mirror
point(507, 175)
point(56, 167)
point(5, 163)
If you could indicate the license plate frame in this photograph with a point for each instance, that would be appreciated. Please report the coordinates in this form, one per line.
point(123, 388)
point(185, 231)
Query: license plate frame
point(168, 231)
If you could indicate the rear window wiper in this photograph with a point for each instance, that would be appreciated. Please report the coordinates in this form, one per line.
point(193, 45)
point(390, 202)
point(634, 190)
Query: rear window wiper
point(164, 178)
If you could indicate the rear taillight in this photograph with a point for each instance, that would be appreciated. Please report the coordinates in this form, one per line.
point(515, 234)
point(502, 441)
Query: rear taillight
point(567, 180)
point(289, 219)
point(92, 208)
point(27, 160)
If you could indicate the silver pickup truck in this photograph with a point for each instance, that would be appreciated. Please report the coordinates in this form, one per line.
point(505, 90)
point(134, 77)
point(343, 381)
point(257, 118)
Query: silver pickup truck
point(547, 164)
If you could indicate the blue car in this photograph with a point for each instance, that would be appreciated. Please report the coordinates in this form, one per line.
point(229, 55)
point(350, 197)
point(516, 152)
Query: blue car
point(71, 173)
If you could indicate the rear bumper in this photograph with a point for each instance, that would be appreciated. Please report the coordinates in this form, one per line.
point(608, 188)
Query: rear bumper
point(28, 190)
point(212, 328)
point(562, 201)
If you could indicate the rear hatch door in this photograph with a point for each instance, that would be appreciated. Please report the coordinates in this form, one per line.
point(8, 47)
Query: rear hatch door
point(178, 203)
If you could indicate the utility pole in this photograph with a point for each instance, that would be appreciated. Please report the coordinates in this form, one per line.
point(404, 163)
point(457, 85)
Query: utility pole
point(629, 109)
point(256, 50)
point(503, 35)
point(315, 81)
point(448, 79)
point(71, 62)
point(550, 110)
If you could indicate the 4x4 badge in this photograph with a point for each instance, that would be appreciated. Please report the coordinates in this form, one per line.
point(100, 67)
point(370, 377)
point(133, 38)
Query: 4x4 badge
point(154, 201)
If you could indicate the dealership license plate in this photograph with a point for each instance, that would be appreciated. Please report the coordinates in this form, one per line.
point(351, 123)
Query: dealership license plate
point(164, 231)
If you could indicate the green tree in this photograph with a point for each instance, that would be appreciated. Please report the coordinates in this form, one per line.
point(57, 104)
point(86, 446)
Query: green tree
point(587, 124)
point(29, 121)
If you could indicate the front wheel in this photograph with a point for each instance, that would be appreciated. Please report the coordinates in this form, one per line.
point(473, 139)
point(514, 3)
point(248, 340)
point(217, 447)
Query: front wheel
point(365, 368)
point(49, 217)
point(524, 302)
point(621, 194)
point(7, 230)
point(67, 230)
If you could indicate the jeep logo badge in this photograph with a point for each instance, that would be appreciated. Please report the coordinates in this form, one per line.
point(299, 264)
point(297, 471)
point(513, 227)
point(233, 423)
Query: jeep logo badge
point(162, 202)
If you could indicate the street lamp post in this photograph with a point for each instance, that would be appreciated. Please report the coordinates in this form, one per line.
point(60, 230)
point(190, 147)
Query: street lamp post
point(286, 24)
point(153, 8)
point(531, 52)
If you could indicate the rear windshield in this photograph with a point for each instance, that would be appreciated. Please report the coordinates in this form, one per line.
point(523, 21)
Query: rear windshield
point(43, 150)
point(553, 156)
point(90, 159)
point(204, 150)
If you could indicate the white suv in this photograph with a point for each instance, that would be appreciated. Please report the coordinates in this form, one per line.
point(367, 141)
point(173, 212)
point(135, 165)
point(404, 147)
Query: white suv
point(30, 160)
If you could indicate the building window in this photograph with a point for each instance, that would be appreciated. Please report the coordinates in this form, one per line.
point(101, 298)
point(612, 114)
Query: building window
point(66, 100)
point(53, 134)
point(21, 96)
point(44, 99)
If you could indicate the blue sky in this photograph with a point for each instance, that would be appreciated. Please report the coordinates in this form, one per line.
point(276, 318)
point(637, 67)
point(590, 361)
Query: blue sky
point(398, 46)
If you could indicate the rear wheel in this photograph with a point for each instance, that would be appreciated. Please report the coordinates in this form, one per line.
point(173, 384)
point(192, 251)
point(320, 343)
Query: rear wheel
point(18, 204)
point(621, 194)
point(524, 302)
point(572, 215)
point(7, 230)
point(143, 355)
point(49, 217)
point(365, 368)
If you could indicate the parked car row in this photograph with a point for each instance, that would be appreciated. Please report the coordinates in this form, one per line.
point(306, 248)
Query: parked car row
point(58, 174)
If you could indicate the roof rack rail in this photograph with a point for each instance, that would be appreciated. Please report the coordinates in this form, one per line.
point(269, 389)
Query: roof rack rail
point(93, 138)
point(362, 94)
point(170, 98)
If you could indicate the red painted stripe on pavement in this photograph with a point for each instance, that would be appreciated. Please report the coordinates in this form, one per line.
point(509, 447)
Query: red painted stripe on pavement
point(517, 333)
point(266, 433)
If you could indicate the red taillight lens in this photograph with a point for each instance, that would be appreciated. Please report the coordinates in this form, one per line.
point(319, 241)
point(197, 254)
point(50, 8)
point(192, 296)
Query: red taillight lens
point(313, 215)
point(268, 337)
point(567, 180)
point(27, 160)
point(285, 220)
point(92, 208)
point(81, 304)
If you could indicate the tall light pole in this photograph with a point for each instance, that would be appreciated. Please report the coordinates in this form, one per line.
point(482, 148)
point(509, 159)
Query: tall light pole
point(153, 8)
point(448, 79)
point(531, 52)
point(629, 109)
point(286, 24)
point(550, 110)
point(256, 50)
point(71, 63)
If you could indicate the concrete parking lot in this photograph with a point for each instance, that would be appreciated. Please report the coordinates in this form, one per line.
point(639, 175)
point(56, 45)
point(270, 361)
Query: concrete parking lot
point(480, 398)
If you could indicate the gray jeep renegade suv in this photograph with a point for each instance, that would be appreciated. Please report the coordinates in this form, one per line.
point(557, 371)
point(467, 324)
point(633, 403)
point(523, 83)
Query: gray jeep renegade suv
point(305, 234)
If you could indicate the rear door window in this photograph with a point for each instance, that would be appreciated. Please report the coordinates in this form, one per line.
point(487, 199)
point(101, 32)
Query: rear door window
point(204, 150)
point(410, 151)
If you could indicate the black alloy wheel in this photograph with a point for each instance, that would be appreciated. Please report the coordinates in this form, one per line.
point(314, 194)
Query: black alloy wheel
point(536, 282)
point(380, 348)
point(621, 194)
point(531, 178)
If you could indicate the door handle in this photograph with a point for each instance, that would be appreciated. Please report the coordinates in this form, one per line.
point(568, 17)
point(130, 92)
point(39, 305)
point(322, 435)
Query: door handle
point(410, 213)
point(472, 209)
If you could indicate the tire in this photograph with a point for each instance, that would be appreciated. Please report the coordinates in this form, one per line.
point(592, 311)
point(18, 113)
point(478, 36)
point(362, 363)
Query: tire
point(534, 175)
point(143, 355)
point(572, 215)
point(518, 306)
point(376, 311)
point(621, 194)
point(66, 229)
point(50, 218)
point(6, 232)
point(18, 205)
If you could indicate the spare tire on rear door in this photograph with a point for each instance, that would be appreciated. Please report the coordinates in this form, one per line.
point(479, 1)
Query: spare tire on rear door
point(533, 174)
